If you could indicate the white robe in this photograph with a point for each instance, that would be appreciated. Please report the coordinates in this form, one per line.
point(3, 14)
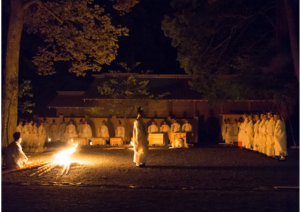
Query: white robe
point(140, 141)
point(47, 129)
point(26, 136)
point(14, 156)
point(270, 137)
point(35, 136)
point(120, 132)
point(103, 132)
point(54, 132)
point(42, 135)
point(164, 128)
point(187, 127)
point(249, 134)
point(280, 145)
point(243, 134)
point(240, 133)
point(256, 136)
point(175, 127)
point(86, 131)
point(79, 129)
point(227, 134)
point(152, 129)
point(263, 136)
point(235, 129)
point(62, 129)
point(70, 132)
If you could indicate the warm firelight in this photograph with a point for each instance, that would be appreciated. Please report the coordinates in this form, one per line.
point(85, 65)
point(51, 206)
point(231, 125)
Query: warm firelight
point(63, 157)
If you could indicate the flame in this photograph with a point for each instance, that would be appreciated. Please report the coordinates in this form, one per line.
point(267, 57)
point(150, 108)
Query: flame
point(63, 157)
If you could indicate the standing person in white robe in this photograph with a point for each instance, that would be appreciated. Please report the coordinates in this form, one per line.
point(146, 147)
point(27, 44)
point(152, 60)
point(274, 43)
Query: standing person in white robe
point(14, 157)
point(263, 134)
point(61, 130)
point(47, 128)
point(42, 135)
point(152, 128)
point(223, 129)
point(103, 132)
point(120, 133)
point(30, 138)
point(187, 127)
point(79, 128)
point(166, 130)
point(86, 131)
point(175, 127)
point(228, 131)
point(256, 133)
point(54, 131)
point(235, 128)
point(140, 141)
point(26, 135)
point(280, 145)
point(20, 129)
point(270, 136)
point(240, 133)
point(243, 127)
point(35, 135)
point(249, 133)
point(70, 132)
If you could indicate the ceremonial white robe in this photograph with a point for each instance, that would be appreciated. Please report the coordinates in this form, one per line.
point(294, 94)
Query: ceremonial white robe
point(14, 156)
point(54, 132)
point(35, 136)
point(120, 132)
point(20, 129)
point(187, 127)
point(280, 145)
point(103, 132)
point(243, 129)
point(47, 129)
point(227, 134)
point(263, 136)
point(26, 136)
point(256, 136)
point(62, 129)
point(249, 134)
point(175, 127)
point(86, 131)
point(240, 133)
point(140, 141)
point(70, 132)
point(152, 128)
point(235, 129)
point(42, 136)
point(79, 129)
point(270, 137)
point(164, 128)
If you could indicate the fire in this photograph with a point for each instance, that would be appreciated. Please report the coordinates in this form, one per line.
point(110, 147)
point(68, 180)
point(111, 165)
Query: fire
point(63, 157)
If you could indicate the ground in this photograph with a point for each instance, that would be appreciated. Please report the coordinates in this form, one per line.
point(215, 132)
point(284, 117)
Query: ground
point(211, 178)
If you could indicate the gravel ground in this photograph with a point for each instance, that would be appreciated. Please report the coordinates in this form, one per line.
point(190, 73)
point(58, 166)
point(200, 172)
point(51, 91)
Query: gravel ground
point(206, 178)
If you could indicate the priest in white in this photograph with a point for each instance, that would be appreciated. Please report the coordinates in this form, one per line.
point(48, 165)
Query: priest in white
point(152, 128)
point(20, 128)
point(166, 130)
point(42, 135)
point(280, 145)
point(249, 133)
point(140, 141)
point(175, 127)
point(14, 157)
point(270, 136)
point(35, 135)
point(187, 127)
point(103, 131)
point(120, 133)
point(243, 128)
point(235, 128)
point(47, 128)
point(79, 128)
point(54, 131)
point(263, 134)
point(70, 132)
point(256, 138)
point(86, 131)
point(61, 130)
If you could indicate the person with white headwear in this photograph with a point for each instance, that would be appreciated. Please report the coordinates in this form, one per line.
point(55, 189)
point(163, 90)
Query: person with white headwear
point(175, 127)
point(165, 129)
point(120, 133)
point(187, 127)
point(70, 132)
point(140, 141)
point(53, 131)
point(47, 128)
point(103, 132)
point(249, 133)
point(79, 128)
point(256, 133)
point(240, 132)
point(14, 157)
point(280, 144)
point(42, 135)
point(20, 128)
point(152, 128)
point(244, 133)
point(61, 131)
point(35, 135)
point(263, 134)
point(86, 131)
point(270, 136)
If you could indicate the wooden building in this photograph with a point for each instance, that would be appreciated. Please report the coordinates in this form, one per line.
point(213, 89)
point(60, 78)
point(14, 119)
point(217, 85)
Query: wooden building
point(182, 103)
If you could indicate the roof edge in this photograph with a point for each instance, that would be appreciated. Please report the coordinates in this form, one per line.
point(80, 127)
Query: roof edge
point(182, 76)
point(75, 93)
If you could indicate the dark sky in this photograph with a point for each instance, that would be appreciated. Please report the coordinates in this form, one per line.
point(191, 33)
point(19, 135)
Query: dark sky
point(146, 43)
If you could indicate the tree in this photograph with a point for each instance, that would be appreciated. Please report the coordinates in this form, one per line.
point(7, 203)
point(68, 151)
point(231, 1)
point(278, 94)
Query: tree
point(25, 104)
point(73, 27)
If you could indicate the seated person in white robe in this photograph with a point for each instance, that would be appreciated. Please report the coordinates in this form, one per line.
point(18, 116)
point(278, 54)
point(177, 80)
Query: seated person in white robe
point(53, 131)
point(70, 132)
point(79, 128)
point(166, 130)
point(249, 133)
point(152, 128)
point(14, 157)
point(256, 133)
point(86, 131)
point(103, 132)
point(175, 127)
point(280, 145)
point(187, 127)
point(120, 133)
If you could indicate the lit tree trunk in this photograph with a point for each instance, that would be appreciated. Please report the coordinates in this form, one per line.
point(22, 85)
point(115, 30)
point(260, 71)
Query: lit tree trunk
point(11, 74)
point(293, 35)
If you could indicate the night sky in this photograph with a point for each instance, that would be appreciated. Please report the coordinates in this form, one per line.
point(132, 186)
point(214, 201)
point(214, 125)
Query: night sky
point(146, 43)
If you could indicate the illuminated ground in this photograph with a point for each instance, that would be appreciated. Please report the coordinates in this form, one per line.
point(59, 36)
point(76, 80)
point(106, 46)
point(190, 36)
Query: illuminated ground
point(208, 177)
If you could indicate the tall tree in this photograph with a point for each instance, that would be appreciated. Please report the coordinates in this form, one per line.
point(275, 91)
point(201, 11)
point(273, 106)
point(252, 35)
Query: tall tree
point(75, 31)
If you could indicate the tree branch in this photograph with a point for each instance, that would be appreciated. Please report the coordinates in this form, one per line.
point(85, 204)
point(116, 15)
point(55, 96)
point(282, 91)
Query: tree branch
point(41, 4)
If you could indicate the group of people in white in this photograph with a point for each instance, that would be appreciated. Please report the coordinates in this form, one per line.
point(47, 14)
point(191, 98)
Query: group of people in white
point(175, 127)
point(265, 134)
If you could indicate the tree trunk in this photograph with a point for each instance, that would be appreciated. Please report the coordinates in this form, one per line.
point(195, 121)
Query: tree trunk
point(293, 36)
point(11, 74)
